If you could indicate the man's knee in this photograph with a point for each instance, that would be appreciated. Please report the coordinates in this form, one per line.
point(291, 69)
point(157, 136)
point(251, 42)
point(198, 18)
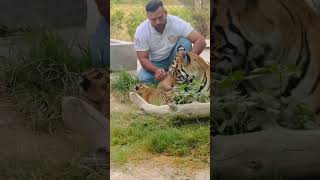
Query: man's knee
point(145, 77)
point(185, 42)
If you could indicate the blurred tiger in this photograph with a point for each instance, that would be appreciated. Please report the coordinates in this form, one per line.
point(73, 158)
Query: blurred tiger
point(251, 34)
point(94, 88)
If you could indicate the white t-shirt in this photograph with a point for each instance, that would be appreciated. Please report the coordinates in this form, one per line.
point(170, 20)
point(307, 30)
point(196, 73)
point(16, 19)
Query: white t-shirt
point(160, 45)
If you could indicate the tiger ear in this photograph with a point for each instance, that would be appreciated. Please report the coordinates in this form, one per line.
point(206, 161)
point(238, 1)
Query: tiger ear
point(181, 48)
point(181, 52)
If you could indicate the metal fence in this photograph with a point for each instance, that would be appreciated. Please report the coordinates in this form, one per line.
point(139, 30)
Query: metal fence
point(126, 15)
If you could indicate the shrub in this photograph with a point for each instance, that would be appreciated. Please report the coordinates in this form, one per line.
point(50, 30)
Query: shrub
point(39, 77)
point(133, 21)
point(188, 93)
point(123, 84)
point(117, 21)
point(235, 111)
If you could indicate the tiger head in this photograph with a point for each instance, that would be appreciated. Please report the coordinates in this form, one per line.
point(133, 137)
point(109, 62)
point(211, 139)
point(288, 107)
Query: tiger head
point(231, 48)
point(251, 33)
point(94, 85)
point(145, 91)
point(181, 60)
point(142, 89)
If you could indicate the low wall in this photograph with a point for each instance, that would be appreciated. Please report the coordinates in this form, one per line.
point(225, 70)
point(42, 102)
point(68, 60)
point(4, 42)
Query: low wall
point(76, 20)
point(122, 55)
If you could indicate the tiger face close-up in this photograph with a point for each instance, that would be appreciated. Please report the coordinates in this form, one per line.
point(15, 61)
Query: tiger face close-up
point(250, 34)
point(94, 88)
point(152, 95)
point(185, 68)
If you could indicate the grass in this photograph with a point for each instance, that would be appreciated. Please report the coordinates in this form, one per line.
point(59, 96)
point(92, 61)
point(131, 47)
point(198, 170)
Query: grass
point(123, 84)
point(134, 135)
point(40, 76)
point(38, 170)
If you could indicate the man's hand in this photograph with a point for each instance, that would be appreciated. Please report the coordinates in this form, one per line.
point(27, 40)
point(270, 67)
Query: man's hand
point(160, 74)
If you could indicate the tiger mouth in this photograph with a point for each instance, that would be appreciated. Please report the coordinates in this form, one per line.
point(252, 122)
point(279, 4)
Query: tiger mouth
point(84, 83)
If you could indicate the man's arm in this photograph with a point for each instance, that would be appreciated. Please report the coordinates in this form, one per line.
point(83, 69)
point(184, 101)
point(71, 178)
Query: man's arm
point(143, 57)
point(199, 43)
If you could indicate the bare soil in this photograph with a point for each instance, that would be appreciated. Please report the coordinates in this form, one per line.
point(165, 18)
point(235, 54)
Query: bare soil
point(19, 142)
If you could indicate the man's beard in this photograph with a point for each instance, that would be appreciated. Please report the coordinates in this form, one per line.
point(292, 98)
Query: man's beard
point(160, 28)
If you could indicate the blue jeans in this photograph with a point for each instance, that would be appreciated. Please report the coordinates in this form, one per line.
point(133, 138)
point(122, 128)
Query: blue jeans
point(145, 76)
point(99, 50)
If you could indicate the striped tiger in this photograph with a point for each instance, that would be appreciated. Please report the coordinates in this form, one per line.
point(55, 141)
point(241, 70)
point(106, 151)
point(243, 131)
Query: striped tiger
point(185, 68)
point(250, 34)
point(94, 88)
point(154, 96)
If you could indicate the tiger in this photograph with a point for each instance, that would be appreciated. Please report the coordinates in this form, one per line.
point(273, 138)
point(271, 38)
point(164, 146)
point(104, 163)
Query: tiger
point(94, 88)
point(185, 68)
point(154, 96)
point(315, 4)
point(251, 34)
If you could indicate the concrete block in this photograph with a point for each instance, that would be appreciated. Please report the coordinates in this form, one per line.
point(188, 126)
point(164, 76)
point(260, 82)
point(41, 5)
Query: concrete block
point(122, 55)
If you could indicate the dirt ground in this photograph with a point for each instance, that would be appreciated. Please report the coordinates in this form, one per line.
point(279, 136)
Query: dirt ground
point(155, 168)
point(19, 142)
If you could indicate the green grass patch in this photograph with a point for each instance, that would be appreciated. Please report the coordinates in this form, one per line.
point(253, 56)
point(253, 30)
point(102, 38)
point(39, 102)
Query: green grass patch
point(41, 75)
point(122, 85)
point(132, 135)
point(237, 111)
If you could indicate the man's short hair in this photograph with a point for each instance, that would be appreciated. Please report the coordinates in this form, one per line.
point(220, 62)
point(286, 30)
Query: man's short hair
point(153, 5)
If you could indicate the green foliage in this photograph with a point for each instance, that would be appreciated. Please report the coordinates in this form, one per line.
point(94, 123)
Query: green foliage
point(124, 24)
point(117, 18)
point(200, 15)
point(188, 93)
point(133, 21)
point(40, 76)
point(233, 112)
point(296, 115)
point(201, 22)
point(123, 84)
point(182, 12)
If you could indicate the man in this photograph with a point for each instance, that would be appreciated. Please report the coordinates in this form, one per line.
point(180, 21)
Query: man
point(157, 40)
point(100, 40)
